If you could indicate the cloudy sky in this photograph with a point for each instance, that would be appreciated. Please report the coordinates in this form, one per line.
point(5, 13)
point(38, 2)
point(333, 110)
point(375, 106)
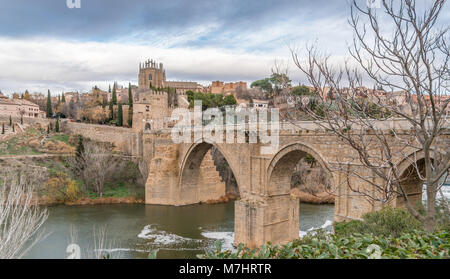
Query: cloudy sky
point(44, 44)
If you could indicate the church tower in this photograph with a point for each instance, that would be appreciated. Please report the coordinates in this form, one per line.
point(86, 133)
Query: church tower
point(151, 73)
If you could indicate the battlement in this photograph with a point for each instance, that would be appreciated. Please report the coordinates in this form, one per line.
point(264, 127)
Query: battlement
point(151, 64)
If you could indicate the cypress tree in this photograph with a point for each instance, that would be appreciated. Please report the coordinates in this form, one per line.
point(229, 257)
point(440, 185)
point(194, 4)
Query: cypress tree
point(63, 98)
point(10, 121)
point(57, 125)
point(114, 95)
point(80, 147)
point(109, 90)
point(14, 130)
point(120, 116)
point(111, 110)
point(49, 105)
point(3, 128)
point(130, 106)
point(48, 129)
point(21, 119)
point(59, 99)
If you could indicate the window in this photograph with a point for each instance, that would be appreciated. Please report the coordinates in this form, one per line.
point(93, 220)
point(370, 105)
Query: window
point(147, 108)
point(150, 77)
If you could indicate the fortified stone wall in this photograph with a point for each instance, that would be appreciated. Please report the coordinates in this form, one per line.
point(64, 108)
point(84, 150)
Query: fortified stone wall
point(26, 120)
point(123, 139)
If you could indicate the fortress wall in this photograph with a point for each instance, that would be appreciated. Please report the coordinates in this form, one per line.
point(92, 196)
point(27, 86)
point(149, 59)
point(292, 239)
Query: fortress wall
point(123, 139)
point(26, 120)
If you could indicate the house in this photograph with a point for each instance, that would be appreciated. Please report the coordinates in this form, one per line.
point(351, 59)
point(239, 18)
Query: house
point(19, 108)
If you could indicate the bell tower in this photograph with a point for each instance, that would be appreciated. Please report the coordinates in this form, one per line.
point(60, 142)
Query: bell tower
point(151, 73)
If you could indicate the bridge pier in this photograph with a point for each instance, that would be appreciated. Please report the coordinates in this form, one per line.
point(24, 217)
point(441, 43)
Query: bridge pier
point(274, 219)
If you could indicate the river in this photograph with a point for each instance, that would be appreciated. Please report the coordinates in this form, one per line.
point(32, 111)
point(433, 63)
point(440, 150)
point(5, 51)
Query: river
point(133, 229)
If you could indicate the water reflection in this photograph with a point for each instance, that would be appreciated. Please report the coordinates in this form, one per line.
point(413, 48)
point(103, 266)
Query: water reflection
point(178, 232)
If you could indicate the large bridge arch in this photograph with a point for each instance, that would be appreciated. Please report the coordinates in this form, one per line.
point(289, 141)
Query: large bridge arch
point(190, 168)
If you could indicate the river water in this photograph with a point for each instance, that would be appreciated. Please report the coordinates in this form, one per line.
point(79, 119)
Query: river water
point(133, 229)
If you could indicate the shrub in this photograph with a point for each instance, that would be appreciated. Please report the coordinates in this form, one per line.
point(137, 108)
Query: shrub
point(386, 222)
point(417, 244)
point(61, 188)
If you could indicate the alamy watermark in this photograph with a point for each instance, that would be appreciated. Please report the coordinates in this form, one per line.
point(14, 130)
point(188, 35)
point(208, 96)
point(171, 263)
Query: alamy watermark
point(229, 125)
point(73, 4)
point(373, 4)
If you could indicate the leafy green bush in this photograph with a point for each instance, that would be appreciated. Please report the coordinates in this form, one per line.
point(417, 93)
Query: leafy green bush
point(417, 244)
point(386, 222)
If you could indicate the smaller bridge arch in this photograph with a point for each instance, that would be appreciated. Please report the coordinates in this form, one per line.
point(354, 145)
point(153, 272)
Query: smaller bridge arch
point(282, 164)
point(408, 170)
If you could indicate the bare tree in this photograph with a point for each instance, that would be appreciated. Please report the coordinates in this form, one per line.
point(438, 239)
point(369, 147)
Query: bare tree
point(20, 218)
point(403, 49)
point(94, 165)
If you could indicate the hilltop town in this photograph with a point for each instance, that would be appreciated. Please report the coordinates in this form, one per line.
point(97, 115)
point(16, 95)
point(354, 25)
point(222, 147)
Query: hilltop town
point(154, 97)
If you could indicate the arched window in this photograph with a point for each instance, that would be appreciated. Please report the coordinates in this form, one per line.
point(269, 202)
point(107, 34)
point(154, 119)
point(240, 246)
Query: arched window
point(150, 77)
point(147, 126)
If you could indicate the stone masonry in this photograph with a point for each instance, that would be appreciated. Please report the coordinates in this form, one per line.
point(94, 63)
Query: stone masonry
point(184, 173)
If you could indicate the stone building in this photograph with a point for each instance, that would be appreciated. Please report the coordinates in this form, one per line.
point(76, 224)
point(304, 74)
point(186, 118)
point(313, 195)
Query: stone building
point(19, 108)
point(154, 74)
point(220, 87)
point(152, 107)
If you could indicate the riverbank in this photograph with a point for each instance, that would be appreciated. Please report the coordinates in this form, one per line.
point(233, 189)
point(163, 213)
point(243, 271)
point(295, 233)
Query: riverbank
point(92, 201)
point(319, 199)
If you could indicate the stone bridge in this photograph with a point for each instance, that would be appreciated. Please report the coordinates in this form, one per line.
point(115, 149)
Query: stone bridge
point(183, 173)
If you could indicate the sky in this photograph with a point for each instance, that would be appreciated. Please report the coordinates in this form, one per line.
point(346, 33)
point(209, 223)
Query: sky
point(46, 45)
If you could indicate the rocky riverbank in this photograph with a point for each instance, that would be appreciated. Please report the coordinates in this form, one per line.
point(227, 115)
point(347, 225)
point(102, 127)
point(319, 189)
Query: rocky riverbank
point(93, 201)
point(317, 198)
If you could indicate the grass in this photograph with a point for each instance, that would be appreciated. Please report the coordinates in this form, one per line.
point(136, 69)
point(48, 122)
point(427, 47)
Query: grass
point(121, 190)
point(18, 145)
point(61, 137)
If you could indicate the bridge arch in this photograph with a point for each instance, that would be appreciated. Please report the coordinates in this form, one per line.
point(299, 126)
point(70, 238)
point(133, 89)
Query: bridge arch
point(282, 164)
point(189, 171)
point(411, 182)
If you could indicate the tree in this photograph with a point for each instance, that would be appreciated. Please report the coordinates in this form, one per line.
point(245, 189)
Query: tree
point(411, 57)
point(20, 218)
point(111, 110)
point(57, 125)
point(80, 147)
point(301, 90)
point(94, 165)
point(63, 98)
point(3, 128)
point(130, 106)
point(119, 115)
point(229, 100)
point(264, 84)
point(10, 121)
point(49, 105)
point(27, 96)
point(114, 95)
